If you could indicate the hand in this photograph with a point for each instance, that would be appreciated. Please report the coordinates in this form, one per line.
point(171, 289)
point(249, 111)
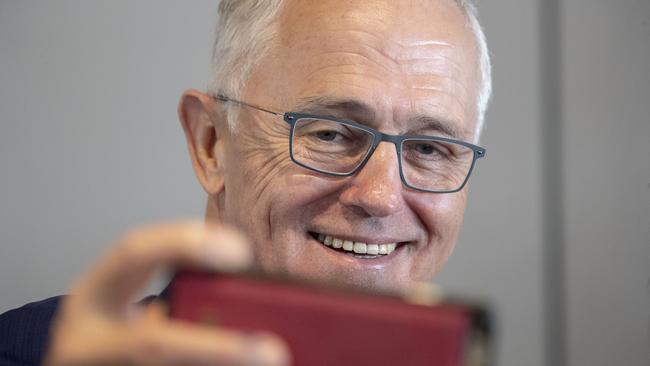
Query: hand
point(99, 324)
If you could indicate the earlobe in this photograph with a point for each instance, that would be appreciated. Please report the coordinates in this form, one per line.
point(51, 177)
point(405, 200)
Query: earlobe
point(201, 123)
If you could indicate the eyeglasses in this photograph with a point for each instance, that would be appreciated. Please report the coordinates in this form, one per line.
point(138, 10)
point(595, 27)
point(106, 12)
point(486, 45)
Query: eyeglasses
point(342, 147)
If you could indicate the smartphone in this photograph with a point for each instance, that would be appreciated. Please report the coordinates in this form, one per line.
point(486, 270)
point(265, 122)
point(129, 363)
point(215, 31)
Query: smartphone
point(326, 325)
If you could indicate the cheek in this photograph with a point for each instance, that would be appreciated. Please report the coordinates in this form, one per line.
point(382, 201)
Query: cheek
point(298, 197)
point(268, 195)
point(278, 221)
point(252, 195)
point(442, 216)
point(250, 169)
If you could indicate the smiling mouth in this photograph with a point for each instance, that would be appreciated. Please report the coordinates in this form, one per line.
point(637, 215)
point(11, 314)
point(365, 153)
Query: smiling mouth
point(355, 248)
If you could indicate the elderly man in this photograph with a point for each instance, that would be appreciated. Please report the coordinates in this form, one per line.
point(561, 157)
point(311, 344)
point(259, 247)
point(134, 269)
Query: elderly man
point(337, 136)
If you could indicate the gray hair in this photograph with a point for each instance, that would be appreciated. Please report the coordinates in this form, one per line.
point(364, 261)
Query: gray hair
point(246, 29)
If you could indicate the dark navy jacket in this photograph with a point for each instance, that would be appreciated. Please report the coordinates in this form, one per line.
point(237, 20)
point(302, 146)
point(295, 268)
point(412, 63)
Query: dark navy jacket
point(24, 332)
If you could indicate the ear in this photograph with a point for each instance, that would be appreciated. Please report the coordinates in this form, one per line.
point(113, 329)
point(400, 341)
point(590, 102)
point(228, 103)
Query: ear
point(202, 124)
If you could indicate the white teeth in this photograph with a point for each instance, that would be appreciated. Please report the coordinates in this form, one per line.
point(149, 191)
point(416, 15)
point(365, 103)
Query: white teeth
point(348, 245)
point(337, 243)
point(357, 247)
point(360, 248)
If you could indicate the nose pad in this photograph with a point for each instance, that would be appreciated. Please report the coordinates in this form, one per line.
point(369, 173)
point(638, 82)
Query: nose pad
point(377, 188)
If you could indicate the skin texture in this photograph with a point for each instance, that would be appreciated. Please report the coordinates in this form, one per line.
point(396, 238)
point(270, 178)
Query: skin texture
point(406, 61)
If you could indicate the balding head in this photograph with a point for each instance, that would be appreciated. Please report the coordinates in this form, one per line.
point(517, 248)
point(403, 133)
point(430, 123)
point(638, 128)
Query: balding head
point(246, 29)
point(393, 70)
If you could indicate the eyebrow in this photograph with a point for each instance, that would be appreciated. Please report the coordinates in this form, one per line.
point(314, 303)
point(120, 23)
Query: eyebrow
point(448, 128)
point(338, 107)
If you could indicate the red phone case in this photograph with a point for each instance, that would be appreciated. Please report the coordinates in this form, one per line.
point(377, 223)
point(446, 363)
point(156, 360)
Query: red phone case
point(327, 326)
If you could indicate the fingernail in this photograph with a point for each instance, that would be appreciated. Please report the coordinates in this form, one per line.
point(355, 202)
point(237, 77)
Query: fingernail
point(228, 250)
point(269, 350)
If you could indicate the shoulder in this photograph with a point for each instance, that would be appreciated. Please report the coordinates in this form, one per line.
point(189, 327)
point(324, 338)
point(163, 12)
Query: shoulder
point(24, 332)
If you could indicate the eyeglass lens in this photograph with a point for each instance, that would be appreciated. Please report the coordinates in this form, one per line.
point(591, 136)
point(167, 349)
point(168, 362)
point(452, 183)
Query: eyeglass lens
point(336, 147)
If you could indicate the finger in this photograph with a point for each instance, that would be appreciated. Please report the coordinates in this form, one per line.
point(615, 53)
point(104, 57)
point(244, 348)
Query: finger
point(157, 311)
point(177, 343)
point(126, 268)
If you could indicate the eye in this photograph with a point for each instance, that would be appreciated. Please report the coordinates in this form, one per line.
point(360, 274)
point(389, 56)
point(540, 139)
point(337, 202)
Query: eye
point(327, 135)
point(424, 148)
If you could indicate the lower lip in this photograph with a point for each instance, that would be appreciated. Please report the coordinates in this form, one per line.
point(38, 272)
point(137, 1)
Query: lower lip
point(361, 260)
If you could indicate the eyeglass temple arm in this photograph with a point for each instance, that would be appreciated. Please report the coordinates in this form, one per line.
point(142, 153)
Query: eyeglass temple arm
point(224, 98)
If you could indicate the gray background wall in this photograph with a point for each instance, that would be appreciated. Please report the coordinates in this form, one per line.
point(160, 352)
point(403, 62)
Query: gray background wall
point(557, 233)
point(606, 140)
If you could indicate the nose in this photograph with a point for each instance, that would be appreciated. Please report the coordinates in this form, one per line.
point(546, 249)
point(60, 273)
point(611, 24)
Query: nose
point(377, 188)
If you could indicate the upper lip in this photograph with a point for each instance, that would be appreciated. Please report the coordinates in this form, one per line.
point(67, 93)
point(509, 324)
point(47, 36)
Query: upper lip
point(368, 239)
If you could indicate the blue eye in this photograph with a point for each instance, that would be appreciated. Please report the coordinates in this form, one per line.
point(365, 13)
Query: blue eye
point(426, 149)
point(327, 135)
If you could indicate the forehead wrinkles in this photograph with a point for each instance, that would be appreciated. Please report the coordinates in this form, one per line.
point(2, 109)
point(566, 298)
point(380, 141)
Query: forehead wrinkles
point(418, 61)
point(380, 31)
point(384, 58)
point(383, 46)
point(405, 77)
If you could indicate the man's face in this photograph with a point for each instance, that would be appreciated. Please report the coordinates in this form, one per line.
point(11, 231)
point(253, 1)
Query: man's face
point(401, 60)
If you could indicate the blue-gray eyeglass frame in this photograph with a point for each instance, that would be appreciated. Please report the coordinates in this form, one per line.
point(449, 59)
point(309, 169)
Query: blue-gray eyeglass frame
point(292, 117)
